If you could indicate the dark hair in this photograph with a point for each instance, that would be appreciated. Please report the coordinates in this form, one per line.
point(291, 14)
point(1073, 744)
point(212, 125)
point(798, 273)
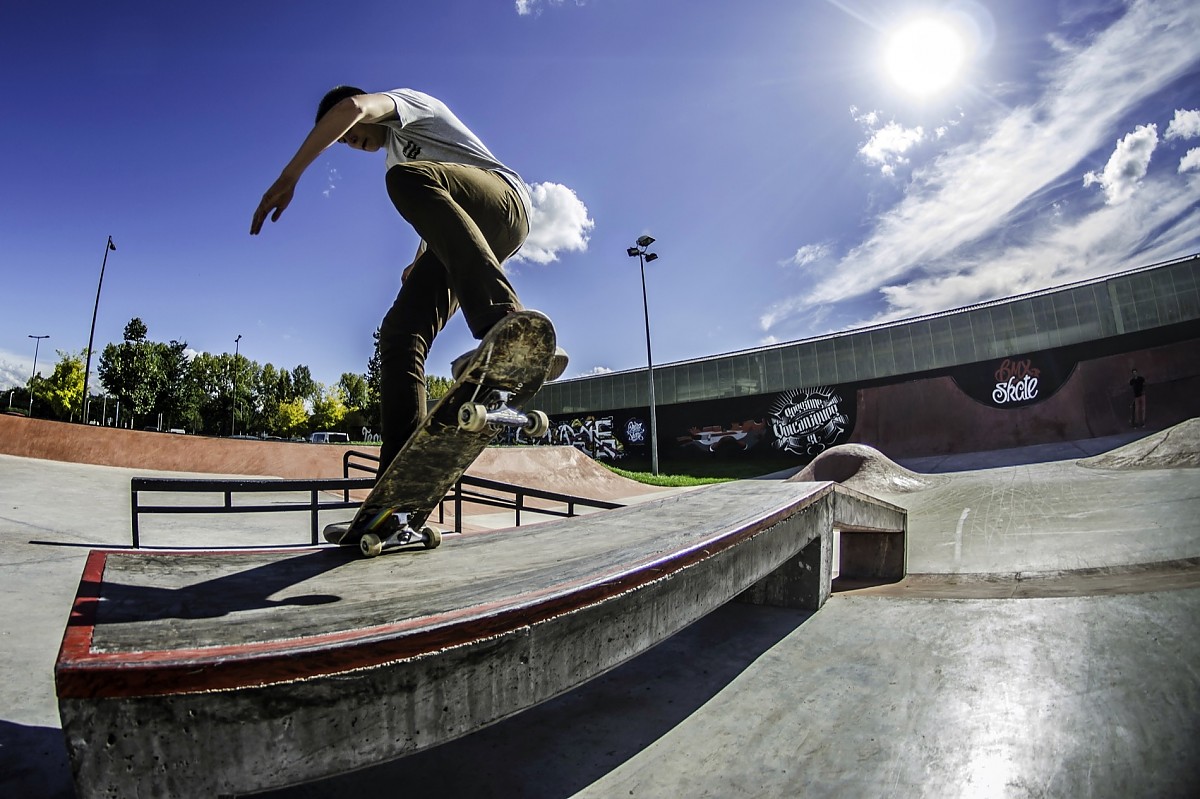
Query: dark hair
point(335, 96)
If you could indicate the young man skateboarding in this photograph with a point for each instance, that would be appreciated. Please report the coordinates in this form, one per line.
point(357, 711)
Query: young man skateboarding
point(470, 210)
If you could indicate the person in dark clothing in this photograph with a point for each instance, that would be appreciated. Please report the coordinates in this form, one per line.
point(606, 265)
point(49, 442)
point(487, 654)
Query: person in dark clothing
point(1138, 384)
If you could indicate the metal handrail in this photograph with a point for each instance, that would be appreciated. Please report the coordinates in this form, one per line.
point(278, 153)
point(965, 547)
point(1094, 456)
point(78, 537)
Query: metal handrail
point(227, 488)
point(517, 503)
point(314, 487)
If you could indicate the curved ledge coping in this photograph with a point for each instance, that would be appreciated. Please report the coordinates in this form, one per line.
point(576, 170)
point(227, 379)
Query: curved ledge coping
point(254, 652)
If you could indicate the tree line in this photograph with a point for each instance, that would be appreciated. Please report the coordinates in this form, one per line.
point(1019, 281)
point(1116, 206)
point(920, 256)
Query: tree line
point(160, 385)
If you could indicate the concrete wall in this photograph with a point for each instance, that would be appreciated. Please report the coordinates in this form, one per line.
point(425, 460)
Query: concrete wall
point(934, 416)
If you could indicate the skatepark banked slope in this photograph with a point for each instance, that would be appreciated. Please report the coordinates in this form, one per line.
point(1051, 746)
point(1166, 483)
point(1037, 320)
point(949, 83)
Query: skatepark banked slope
point(201, 674)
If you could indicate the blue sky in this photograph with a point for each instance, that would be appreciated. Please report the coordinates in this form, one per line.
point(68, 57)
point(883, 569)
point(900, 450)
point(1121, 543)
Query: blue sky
point(795, 187)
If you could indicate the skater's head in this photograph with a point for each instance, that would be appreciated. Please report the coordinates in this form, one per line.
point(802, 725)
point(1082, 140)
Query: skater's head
point(364, 136)
point(335, 96)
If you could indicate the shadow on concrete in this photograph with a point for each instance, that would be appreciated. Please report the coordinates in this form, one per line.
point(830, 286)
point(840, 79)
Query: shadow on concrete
point(246, 590)
point(560, 747)
point(33, 762)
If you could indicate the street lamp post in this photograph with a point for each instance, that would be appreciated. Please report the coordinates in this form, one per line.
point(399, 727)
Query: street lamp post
point(640, 253)
point(87, 370)
point(233, 413)
point(33, 374)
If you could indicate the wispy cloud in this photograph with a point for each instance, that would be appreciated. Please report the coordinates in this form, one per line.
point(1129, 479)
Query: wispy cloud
point(527, 8)
point(973, 224)
point(332, 178)
point(809, 254)
point(560, 223)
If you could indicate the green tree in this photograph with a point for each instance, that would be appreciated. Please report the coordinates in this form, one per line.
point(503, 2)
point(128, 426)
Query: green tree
point(303, 385)
point(437, 387)
point(177, 398)
point(132, 371)
point(371, 409)
point(328, 408)
point(290, 419)
point(64, 388)
point(354, 389)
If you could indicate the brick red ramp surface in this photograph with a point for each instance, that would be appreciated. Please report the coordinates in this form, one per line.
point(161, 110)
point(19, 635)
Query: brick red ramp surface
point(563, 470)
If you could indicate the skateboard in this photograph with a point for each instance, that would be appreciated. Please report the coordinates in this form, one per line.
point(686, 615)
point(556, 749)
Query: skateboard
point(506, 370)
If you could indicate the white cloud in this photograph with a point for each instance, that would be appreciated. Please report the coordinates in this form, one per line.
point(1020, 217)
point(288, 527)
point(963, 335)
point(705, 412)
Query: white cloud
point(596, 370)
point(1190, 161)
point(12, 373)
point(1185, 125)
point(560, 223)
point(808, 254)
point(1127, 166)
point(888, 144)
point(980, 201)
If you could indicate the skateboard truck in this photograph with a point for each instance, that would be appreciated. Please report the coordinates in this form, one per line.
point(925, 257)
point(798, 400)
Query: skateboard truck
point(376, 539)
point(473, 417)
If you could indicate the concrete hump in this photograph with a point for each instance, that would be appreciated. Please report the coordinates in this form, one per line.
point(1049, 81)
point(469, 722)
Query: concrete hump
point(562, 469)
point(1176, 447)
point(864, 468)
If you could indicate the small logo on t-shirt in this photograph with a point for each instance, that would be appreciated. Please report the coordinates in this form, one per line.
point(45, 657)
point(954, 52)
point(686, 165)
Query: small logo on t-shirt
point(411, 149)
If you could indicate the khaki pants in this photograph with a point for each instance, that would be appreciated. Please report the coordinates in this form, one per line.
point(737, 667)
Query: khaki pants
point(471, 220)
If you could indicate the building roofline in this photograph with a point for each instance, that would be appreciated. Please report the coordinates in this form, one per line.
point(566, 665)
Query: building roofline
point(896, 323)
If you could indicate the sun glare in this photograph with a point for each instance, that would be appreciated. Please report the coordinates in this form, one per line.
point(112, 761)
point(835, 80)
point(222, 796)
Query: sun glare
point(924, 56)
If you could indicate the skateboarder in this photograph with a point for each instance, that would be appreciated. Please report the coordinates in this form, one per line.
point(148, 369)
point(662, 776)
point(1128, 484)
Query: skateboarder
point(470, 210)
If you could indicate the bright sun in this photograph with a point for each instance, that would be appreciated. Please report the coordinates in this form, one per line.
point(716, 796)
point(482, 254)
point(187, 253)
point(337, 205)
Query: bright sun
point(924, 56)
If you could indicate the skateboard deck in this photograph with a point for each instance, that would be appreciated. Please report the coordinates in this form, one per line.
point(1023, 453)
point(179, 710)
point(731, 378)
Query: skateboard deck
point(507, 369)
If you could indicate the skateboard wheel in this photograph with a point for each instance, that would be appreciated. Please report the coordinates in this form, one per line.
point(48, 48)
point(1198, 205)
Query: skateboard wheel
point(539, 424)
point(433, 537)
point(370, 545)
point(472, 417)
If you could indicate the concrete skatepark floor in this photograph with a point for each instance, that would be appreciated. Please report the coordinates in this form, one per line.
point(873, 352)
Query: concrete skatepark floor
point(1092, 695)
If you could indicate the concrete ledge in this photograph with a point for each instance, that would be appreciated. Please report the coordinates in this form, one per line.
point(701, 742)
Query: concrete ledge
point(220, 673)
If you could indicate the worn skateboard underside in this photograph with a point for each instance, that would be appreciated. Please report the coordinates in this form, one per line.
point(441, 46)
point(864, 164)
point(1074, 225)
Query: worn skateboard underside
point(514, 356)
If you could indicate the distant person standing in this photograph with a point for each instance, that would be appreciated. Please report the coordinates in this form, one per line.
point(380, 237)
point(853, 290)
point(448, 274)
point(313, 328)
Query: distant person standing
point(1138, 384)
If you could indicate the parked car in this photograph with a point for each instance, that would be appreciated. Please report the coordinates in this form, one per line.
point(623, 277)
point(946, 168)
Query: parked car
point(329, 438)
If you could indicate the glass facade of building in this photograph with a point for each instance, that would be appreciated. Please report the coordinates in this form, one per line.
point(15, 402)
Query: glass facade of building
point(1129, 302)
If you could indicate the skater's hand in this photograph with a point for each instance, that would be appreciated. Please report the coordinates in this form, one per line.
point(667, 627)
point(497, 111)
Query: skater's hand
point(277, 198)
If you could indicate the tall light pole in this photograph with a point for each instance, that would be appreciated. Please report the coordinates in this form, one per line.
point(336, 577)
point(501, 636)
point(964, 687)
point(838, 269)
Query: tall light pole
point(33, 374)
point(233, 413)
point(640, 253)
point(87, 370)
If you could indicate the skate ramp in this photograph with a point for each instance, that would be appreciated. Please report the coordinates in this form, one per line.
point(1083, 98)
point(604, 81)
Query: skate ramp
point(865, 469)
point(201, 674)
point(1176, 447)
point(564, 470)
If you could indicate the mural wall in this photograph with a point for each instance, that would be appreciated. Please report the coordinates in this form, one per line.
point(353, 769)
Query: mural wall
point(802, 422)
point(1065, 394)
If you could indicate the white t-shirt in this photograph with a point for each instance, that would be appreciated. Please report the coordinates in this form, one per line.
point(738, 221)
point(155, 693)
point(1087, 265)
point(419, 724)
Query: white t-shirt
point(426, 130)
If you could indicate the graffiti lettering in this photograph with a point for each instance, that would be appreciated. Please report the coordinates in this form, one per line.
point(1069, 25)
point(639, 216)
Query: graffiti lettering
point(1010, 370)
point(819, 417)
point(1015, 390)
point(808, 421)
point(591, 436)
point(1016, 381)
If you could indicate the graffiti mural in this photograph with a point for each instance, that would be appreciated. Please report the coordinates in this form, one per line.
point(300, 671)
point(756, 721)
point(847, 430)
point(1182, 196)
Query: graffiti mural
point(733, 438)
point(1014, 382)
point(593, 436)
point(807, 421)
